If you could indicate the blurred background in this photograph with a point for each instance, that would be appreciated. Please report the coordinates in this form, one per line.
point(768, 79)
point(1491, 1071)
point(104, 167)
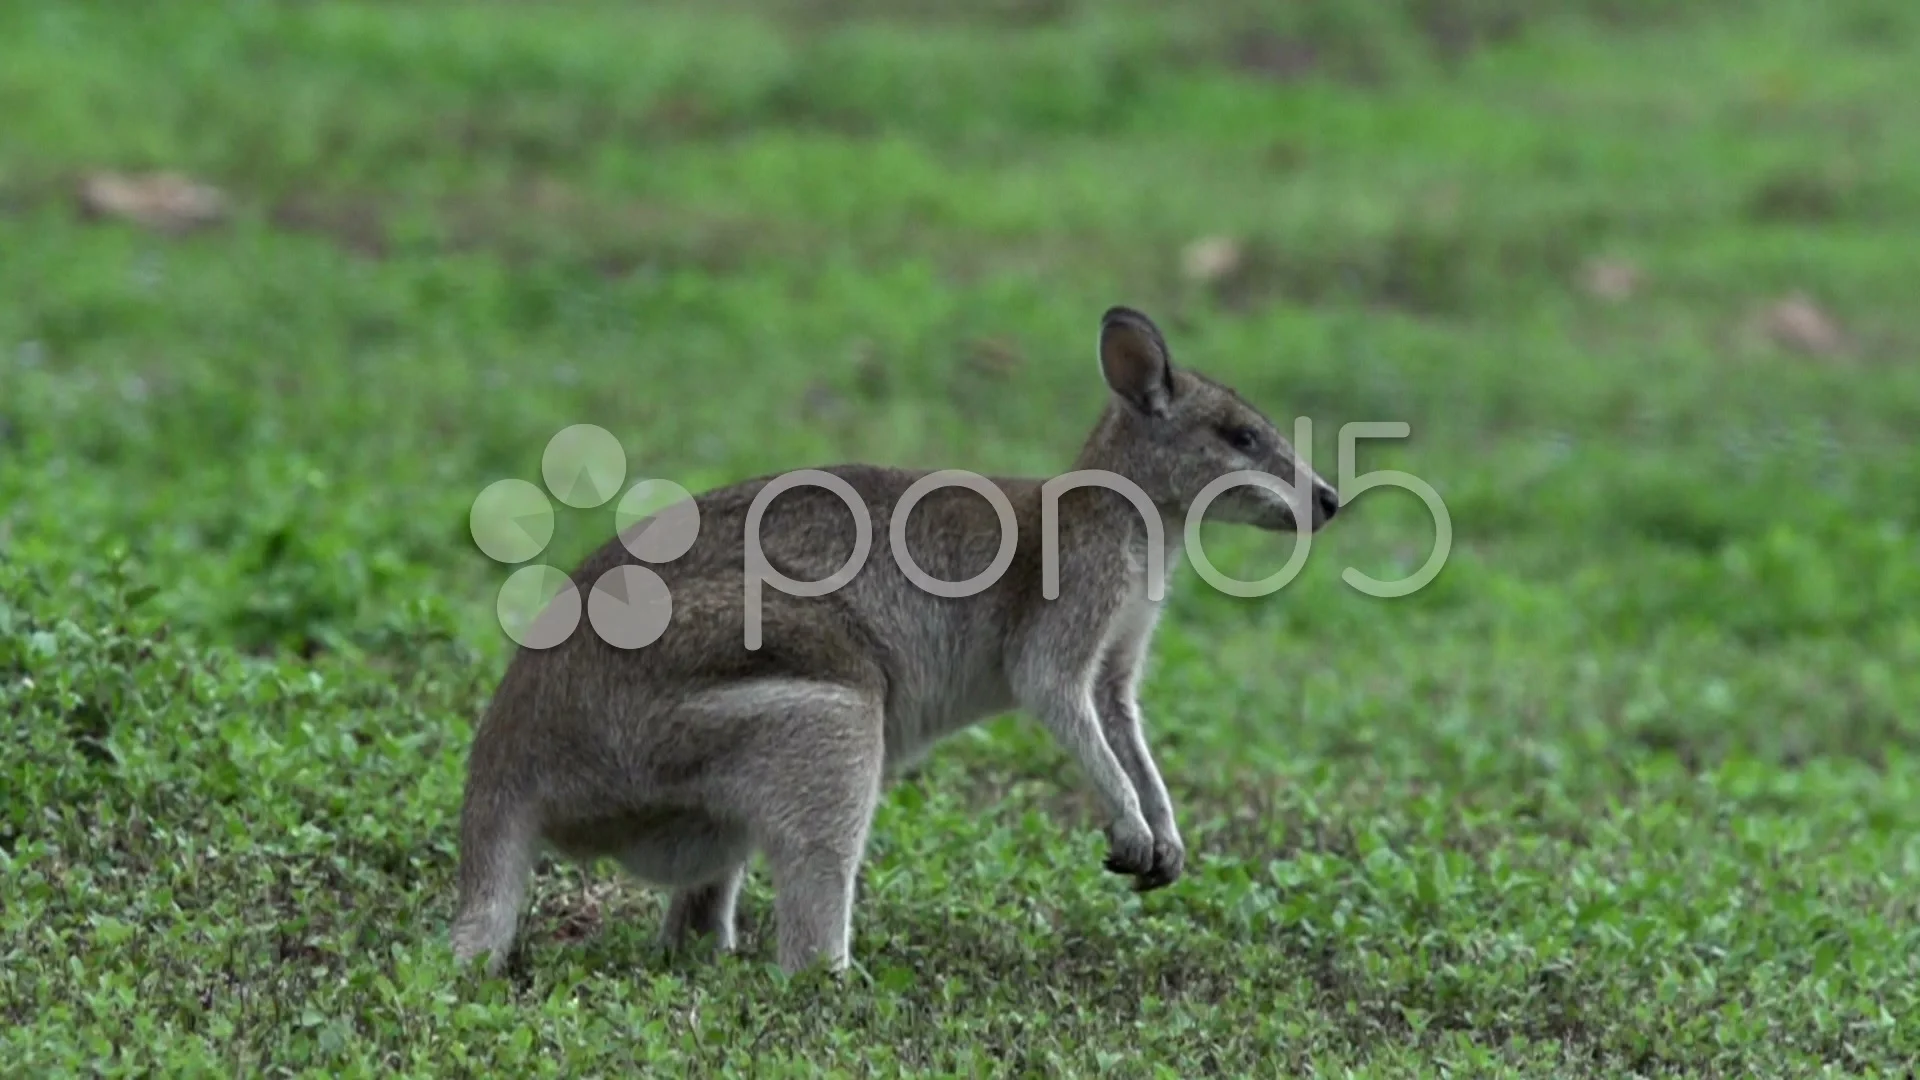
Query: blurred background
point(284, 286)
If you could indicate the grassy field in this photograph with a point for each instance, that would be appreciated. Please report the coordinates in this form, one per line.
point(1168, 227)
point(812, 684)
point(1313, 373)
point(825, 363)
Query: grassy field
point(1631, 788)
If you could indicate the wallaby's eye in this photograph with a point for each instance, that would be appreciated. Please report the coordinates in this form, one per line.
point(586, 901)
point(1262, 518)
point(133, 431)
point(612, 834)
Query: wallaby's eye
point(1244, 439)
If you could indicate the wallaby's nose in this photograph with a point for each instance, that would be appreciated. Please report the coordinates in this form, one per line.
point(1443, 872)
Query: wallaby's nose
point(1329, 501)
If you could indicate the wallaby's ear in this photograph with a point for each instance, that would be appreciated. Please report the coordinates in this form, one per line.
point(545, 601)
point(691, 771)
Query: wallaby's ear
point(1133, 357)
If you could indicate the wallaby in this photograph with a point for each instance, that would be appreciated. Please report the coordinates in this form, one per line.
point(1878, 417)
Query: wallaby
point(683, 758)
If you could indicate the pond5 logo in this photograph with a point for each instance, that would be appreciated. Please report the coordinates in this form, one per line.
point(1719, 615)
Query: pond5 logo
point(539, 606)
point(629, 606)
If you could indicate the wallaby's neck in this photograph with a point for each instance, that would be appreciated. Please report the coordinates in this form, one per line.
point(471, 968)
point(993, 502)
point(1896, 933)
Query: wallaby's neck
point(1117, 512)
point(1100, 449)
point(1105, 451)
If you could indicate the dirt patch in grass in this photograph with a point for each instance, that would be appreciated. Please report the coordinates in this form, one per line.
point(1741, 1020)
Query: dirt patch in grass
point(825, 14)
point(1366, 43)
point(1274, 55)
point(1819, 195)
point(540, 222)
point(1455, 29)
point(355, 224)
point(1430, 262)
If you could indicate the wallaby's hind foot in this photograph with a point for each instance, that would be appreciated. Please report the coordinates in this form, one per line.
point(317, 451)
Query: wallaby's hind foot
point(813, 902)
point(703, 912)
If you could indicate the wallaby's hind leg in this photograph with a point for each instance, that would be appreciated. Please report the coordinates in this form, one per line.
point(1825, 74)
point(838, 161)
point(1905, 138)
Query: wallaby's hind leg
point(703, 911)
point(815, 835)
point(813, 895)
point(807, 784)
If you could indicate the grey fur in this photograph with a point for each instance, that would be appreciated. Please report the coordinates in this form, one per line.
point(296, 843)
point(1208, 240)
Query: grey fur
point(681, 759)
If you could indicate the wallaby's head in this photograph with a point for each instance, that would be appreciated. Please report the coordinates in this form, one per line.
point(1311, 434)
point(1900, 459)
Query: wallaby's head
point(1173, 432)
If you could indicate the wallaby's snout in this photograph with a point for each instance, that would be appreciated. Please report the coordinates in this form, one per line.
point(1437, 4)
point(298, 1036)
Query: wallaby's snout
point(1326, 503)
point(1302, 493)
point(1311, 496)
point(1281, 511)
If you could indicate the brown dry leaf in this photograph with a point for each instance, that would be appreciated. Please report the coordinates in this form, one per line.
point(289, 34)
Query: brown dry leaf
point(1798, 323)
point(163, 201)
point(996, 358)
point(583, 916)
point(1612, 280)
point(870, 375)
point(1212, 259)
point(820, 401)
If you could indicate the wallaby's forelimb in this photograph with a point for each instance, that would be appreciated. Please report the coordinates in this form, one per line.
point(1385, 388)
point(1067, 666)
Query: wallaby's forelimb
point(1068, 712)
point(1121, 727)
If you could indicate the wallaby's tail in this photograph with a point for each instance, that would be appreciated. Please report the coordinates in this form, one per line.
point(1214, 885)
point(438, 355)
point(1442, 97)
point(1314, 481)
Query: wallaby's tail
point(496, 858)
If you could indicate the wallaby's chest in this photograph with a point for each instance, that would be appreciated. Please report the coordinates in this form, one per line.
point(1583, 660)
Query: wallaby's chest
point(930, 700)
point(943, 677)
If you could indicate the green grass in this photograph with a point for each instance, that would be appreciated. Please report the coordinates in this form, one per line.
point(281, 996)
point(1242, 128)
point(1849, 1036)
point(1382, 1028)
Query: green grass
point(1632, 788)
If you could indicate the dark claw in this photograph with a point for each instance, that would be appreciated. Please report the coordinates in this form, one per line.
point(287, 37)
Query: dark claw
point(1156, 878)
point(1168, 863)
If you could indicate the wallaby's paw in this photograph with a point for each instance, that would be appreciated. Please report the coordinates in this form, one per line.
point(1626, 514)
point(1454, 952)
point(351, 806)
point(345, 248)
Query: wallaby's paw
point(1169, 859)
point(1130, 850)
